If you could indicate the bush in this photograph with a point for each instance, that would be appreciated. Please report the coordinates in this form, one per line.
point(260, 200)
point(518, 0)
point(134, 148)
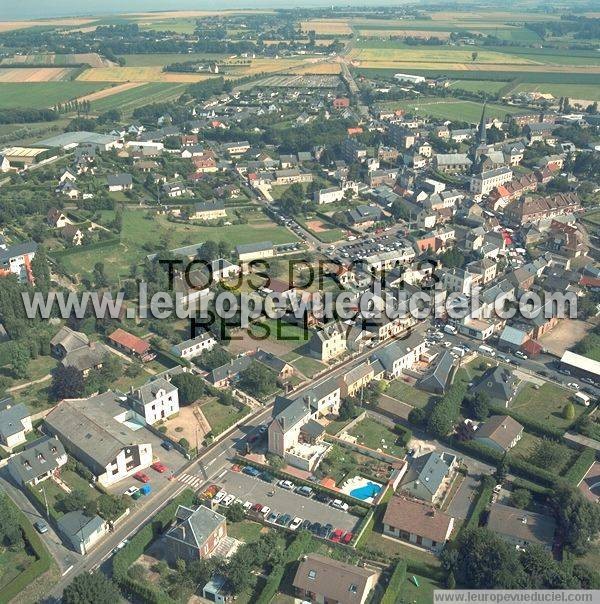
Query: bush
point(520, 498)
point(397, 579)
point(578, 470)
point(405, 435)
point(484, 496)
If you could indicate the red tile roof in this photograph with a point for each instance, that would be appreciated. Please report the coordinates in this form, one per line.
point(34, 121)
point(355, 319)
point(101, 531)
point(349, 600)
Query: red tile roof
point(128, 340)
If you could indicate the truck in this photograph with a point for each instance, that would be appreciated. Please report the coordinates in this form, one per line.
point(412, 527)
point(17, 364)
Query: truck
point(450, 329)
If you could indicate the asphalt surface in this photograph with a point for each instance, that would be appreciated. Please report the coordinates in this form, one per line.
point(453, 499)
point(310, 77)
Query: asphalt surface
point(282, 501)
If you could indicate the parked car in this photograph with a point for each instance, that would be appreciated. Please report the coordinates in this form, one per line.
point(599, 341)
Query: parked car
point(141, 477)
point(166, 445)
point(257, 507)
point(287, 484)
point(145, 489)
point(272, 517)
point(251, 471)
point(263, 428)
point(573, 385)
point(220, 496)
point(305, 526)
point(131, 491)
point(247, 506)
point(347, 538)
point(284, 520)
point(520, 354)
point(326, 531)
point(323, 498)
point(159, 467)
point(228, 500)
point(266, 477)
point(265, 510)
point(296, 523)
point(315, 528)
point(40, 527)
point(121, 546)
point(338, 504)
point(304, 490)
point(337, 535)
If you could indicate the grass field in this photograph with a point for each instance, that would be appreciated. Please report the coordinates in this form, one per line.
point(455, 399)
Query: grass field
point(406, 393)
point(528, 443)
point(180, 26)
point(35, 74)
point(220, 417)
point(128, 100)
point(138, 74)
point(376, 436)
point(38, 95)
point(545, 405)
point(453, 109)
point(487, 86)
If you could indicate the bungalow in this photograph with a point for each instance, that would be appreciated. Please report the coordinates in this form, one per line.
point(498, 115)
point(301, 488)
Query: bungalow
point(323, 579)
point(521, 528)
point(418, 523)
point(81, 531)
point(119, 182)
point(15, 423)
point(195, 535)
point(87, 358)
point(66, 341)
point(131, 344)
point(38, 462)
point(175, 189)
point(500, 432)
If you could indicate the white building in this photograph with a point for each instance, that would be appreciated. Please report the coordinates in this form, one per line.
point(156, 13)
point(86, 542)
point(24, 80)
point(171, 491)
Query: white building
point(155, 401)
point(190, 349)
point(486, 182)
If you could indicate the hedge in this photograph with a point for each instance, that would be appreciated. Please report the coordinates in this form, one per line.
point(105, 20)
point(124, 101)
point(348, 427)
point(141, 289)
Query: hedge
point(529, 424)
point(578, 470)
point(397, 579)
point(484, 496)
point(99, 245)
point(123, 559)
point(299, 546)
point(365, 528)
point(33, 571)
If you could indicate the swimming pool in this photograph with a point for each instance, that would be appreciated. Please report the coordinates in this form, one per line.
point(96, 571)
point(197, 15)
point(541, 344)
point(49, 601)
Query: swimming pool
point(361, 488)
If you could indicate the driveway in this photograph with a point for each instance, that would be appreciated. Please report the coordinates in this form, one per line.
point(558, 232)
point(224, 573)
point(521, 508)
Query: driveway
point(464, 497)
point(252, 489)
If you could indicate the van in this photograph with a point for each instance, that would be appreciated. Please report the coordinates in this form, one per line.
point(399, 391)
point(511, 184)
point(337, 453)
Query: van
point(450, 329)
point(459, 351)
point(582, 398)
point(487, 350)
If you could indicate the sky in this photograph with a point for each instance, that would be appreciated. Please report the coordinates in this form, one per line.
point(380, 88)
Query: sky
point(43, 9)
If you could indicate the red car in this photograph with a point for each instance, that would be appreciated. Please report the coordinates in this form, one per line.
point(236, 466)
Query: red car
point(141, 477)
point(236, 468)
point(347, 538)
point(337, 535)
point(159, 467)
point(257, 507)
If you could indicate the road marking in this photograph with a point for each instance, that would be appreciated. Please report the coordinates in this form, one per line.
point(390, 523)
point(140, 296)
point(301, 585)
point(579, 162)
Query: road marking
point(190, 480)
point(68, 570)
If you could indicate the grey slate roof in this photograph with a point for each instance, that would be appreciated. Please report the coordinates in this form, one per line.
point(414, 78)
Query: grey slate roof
point(438, 378)
point(39, 458)
point(115, 180)
point(194, 527)
point(248, 248)
point(86, 357)
point(396, 350)
point(77, 528)
point(18, 249)
point(11, 418)
point(147, 393)
point(430, 469)
point(231, 369)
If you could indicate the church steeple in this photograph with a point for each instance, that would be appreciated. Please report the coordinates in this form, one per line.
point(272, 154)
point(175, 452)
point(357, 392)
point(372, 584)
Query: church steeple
point(482, 129)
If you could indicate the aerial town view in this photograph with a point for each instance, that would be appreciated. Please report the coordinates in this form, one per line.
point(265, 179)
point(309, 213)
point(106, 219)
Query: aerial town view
point(299, 302)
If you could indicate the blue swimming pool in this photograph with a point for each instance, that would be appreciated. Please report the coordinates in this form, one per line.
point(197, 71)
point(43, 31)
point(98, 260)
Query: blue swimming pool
point(366, 491)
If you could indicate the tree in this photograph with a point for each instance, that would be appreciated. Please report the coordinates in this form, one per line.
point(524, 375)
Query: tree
point(258, 380)
point(211, 359)
point(100, 278)
point(417, 416)
point(209, 251)
point(67, 382)
point(549, 454)
point(569, 411)
point(93, 588)
point(190, 387)
point(347, 409)
point(275, 461)
point(10, 531)
point(73, 501)
point(235, 512)
point(521, 498)
point(474, 56)
point(480, 406)
point(110, 507)
point(501, 471)
point(19, 361)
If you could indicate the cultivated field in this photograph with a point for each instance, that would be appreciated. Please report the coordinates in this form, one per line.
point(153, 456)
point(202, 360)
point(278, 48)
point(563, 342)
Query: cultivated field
point(38, 95)
point(327, 26)
point(12, 25)
point(51, 59)
point(128, 97)
point(149, 60)
point(41, 74)
point(138, 74)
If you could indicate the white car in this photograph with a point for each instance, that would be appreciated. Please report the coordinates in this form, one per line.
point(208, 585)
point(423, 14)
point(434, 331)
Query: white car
point(338, 504)
point(295, 523)
point(228, 500)
point(220, 496)
point(287, 484)
point(131, 491)
point(446, 344)
point(248, 505)
point(573, 386)
point(265, 511)
point(520, 354)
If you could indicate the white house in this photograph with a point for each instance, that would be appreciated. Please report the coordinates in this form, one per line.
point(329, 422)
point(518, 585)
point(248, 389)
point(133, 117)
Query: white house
point(190, 349)
point(155, 400)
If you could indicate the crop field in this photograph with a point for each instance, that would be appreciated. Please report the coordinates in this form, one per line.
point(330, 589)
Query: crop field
point(12, 25)
point(573, 91)
point(180, 26)
point(327, 26)
point(138, 74)
point(51, 59)
point(149, 60)
point(453, 109)
point(41, 74)
point(128, 99)
point(39, 95)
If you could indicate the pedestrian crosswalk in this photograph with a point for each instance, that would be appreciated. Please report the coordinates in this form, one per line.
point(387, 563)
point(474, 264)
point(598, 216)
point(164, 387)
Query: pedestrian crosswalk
point(190, 480)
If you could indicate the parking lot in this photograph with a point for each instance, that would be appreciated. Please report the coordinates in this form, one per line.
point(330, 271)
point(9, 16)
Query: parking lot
point(367, 247)
point(282, 501)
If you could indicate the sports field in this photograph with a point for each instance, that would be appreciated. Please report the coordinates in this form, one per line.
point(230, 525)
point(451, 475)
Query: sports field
point(487, 86)
point(128, 99)
point(39, 95)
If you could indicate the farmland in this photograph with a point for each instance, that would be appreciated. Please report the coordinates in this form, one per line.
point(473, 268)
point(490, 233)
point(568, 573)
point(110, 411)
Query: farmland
point(138, 74)
point(38, 95)
point(129, 99)
point(149, 60)
point(37, 74)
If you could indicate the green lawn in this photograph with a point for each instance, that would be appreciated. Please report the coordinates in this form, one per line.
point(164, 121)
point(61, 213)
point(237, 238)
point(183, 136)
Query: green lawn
point(148, 60)
point(36, 369)
point(128, 100)
point(488, 86)
point(308, 366)
point(526, 446)
point(545, 404)
point(406, 393)
point(411, 594)
point(573, 91)
point(220, 417)
point(12, 564)
point(246, 530)
point(374, 435)
point(39, 95)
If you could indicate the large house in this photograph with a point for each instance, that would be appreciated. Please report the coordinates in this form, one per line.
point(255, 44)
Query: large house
point(16, 260)
point(15, 423)
point(400, 355)
point(521, 528)
point(484, 183)
point(155, 401)
point(38, 462)
point(195, 535)
point(207, 210)
point(190, 349)
point(418, 523)
point(324, 580)
point(329, 342)
point(427, 475)
point(95, 432)
point(499, 384)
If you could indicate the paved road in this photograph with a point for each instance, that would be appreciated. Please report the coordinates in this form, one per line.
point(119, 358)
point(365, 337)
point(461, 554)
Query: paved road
point(255, 490)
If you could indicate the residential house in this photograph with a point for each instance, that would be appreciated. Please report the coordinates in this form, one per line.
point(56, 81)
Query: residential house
point(499, 432)
point(427, 476)
point(397, 356)
point(94, 431)
point(418, 523)
point(254, 251)
point(207, 210)
point(532, 210)
point(321, 579)
point(328, 342)
point(521, 528)
point(57, 219)
point(190, 349)
point(498, 383)
point(195, 534)
point(484, 183)
point(174, 189)
point(66, 341)
point(356, 378)
point(81, 531)
point(37, 462)
point(119, 182)
point(439, 378)
point(453, 163)
point(155, 401)
point(16, 259)
point(72, 234)
point(87, 358)
point(15, 423)
point(131, 344)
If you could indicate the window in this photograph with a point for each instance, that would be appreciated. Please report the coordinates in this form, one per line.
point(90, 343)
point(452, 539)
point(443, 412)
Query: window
point(312, 574)
point(352, 589)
